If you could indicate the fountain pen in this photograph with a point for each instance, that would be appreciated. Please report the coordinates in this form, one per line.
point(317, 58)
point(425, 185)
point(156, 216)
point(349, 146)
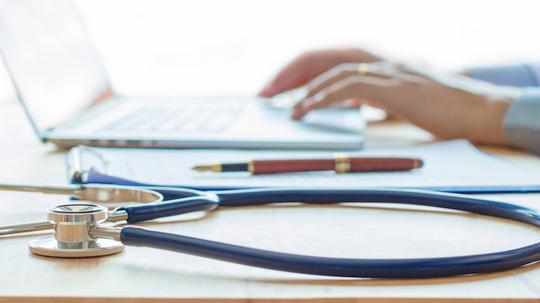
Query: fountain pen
point(339, 163)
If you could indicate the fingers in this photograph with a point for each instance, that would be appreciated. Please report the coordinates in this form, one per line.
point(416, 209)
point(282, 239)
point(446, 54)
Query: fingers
point(297, 73)
point(293, 75)
point(311, 64)
point(343, 71)
point(351, 88)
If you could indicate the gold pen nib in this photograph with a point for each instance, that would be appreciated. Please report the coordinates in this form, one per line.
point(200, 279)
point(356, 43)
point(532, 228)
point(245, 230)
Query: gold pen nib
point(208, 167)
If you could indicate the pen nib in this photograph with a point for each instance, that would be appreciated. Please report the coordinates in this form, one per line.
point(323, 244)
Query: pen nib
point(205, 168)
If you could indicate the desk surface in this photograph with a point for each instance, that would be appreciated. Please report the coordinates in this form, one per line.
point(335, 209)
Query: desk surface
point(140, 274)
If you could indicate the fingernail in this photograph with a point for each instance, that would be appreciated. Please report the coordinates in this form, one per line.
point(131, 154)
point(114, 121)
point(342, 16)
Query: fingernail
point(297, 113)
point(264, 92)
point(267, 91)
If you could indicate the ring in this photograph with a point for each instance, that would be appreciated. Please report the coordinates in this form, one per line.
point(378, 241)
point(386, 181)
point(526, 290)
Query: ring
point(363, 69)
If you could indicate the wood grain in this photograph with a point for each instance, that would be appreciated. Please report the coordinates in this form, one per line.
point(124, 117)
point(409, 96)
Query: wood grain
point(143, 275)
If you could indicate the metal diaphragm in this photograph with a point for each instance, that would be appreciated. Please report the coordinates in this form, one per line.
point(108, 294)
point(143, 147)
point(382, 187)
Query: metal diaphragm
point(72, 239)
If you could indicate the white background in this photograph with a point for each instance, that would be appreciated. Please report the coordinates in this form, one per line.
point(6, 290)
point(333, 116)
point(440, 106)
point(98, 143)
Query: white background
point(212, 47)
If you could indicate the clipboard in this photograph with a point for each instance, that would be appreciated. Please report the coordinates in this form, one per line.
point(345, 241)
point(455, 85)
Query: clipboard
point(95, 165)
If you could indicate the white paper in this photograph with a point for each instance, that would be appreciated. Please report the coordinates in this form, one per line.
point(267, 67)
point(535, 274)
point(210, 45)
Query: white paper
point(450, 163)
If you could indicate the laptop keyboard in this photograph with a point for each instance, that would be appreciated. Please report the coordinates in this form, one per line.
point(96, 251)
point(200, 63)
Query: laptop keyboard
point(176, 119)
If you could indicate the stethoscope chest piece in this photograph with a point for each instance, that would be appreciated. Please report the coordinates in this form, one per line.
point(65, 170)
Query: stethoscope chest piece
point(71, 239)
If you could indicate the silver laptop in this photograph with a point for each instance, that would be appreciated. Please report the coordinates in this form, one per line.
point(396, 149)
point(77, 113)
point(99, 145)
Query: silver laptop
point(69, 100)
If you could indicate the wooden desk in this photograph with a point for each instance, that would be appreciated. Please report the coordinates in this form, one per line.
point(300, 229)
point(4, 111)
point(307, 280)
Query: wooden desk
point(141, 274)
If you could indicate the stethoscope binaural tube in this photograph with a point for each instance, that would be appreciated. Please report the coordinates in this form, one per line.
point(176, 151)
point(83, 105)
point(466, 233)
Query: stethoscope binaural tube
point(196, 200)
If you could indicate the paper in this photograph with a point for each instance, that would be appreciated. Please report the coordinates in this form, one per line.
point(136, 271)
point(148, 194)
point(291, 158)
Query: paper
point(451, 163)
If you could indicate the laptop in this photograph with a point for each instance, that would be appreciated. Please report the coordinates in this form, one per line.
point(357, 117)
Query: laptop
point(66, 94)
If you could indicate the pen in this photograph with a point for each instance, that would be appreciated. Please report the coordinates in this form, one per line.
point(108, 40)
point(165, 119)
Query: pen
point(341, 163)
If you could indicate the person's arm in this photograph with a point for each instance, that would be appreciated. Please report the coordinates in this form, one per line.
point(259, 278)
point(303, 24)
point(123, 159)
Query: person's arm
point(521, 124)
point(522, 121)
point(518, 75)
point(448, 105)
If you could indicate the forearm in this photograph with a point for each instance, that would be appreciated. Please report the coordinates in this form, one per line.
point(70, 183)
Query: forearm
point(478, 118)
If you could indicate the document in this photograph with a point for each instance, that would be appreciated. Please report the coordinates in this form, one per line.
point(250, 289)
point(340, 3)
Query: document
point(446, 164)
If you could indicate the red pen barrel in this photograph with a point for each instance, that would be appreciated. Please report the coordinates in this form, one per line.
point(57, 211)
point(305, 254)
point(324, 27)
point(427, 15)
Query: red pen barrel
point(339, 164)
point(262, 167)
point(383, 164)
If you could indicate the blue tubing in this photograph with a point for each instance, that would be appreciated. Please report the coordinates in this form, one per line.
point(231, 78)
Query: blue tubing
point(337, 267)
point(393, 196)
point(345, 267)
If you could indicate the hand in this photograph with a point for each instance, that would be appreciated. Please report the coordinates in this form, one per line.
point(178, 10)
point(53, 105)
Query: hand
point(447, 104)
point(311, 64)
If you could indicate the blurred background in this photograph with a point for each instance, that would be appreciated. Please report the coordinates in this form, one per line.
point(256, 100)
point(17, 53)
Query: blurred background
point(213, 47)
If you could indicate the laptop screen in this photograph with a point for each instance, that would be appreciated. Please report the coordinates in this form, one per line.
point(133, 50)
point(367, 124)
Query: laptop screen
point(49, 59)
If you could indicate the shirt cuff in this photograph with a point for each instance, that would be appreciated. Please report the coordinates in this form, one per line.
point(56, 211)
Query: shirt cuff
point(519, 75)
point(522, 121)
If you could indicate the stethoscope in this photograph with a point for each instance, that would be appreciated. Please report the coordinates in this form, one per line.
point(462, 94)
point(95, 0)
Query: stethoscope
point(81, 228)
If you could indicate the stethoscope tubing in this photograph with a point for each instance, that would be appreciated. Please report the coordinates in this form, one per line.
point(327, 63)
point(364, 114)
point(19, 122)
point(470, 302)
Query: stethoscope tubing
point(189, 200)
point(336, 267)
